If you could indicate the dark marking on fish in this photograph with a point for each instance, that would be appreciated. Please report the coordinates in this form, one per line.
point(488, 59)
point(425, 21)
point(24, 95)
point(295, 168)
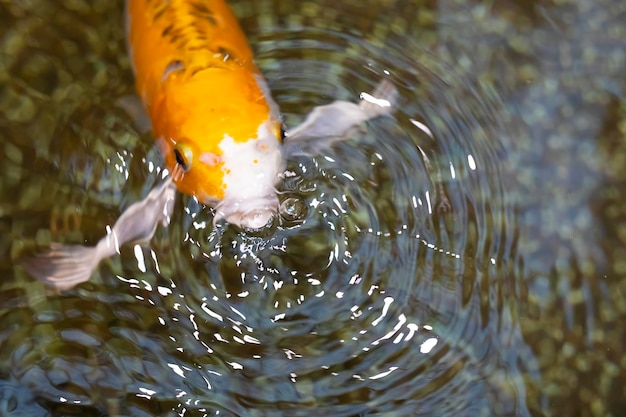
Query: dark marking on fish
point(160, 11)
point(225, 53)
point(190, 35)
point(167, 30)
point(202, 11)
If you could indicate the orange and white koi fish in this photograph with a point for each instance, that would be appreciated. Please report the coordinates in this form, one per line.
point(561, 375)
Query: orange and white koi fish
point(210, 107)
point(215, 121)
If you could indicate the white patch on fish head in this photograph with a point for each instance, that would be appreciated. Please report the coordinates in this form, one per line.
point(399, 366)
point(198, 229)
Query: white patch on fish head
point(251, 170)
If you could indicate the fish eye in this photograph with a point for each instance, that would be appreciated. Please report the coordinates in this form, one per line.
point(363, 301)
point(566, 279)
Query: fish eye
point(183, 156)
point(283, 132)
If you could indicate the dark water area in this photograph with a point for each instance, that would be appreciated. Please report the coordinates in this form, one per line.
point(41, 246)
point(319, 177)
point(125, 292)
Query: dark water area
point(380, 299)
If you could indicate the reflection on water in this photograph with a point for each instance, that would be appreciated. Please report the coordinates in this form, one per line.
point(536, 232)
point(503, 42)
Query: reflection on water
point(376, 297)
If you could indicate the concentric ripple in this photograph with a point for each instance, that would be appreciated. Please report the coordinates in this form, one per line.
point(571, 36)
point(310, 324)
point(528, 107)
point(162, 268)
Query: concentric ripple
point(386, 291)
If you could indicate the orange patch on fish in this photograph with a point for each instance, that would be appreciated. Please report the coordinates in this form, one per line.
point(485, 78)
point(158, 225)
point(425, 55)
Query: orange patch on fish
point(197, 79)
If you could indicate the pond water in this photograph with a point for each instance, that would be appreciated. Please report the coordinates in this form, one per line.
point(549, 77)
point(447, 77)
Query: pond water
point(378, 299)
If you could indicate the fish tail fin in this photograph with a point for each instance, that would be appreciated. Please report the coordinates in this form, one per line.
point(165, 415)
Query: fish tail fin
point(381, 101)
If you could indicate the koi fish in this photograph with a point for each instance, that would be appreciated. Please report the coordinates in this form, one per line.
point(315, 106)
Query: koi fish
point(216, 124)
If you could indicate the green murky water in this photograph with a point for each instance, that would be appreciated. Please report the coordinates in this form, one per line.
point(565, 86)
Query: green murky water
point(512, 303)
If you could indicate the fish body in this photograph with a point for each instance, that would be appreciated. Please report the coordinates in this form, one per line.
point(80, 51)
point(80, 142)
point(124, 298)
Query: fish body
point(209, 105)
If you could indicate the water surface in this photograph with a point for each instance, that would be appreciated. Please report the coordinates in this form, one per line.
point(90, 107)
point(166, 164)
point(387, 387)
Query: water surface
point(378, 298)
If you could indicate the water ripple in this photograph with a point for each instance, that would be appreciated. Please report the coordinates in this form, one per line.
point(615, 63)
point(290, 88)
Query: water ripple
point(392, 292)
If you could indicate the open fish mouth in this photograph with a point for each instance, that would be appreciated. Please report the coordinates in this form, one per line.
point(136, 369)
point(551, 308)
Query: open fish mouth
point(254, 220)
point(251, 216)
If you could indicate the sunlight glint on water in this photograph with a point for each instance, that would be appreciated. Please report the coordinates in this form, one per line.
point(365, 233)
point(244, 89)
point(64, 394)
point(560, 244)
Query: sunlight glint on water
point(369, 300)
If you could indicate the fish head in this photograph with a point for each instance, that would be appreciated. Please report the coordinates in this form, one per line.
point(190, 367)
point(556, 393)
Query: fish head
point(251, 170)
point(224, 135)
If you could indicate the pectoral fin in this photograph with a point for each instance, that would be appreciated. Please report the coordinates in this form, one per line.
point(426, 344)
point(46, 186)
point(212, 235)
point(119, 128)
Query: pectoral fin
point(335, 119)
point(64, 266)
point(132, 106)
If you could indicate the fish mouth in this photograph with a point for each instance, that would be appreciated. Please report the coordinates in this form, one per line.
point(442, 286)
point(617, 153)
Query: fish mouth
point(251, 216)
